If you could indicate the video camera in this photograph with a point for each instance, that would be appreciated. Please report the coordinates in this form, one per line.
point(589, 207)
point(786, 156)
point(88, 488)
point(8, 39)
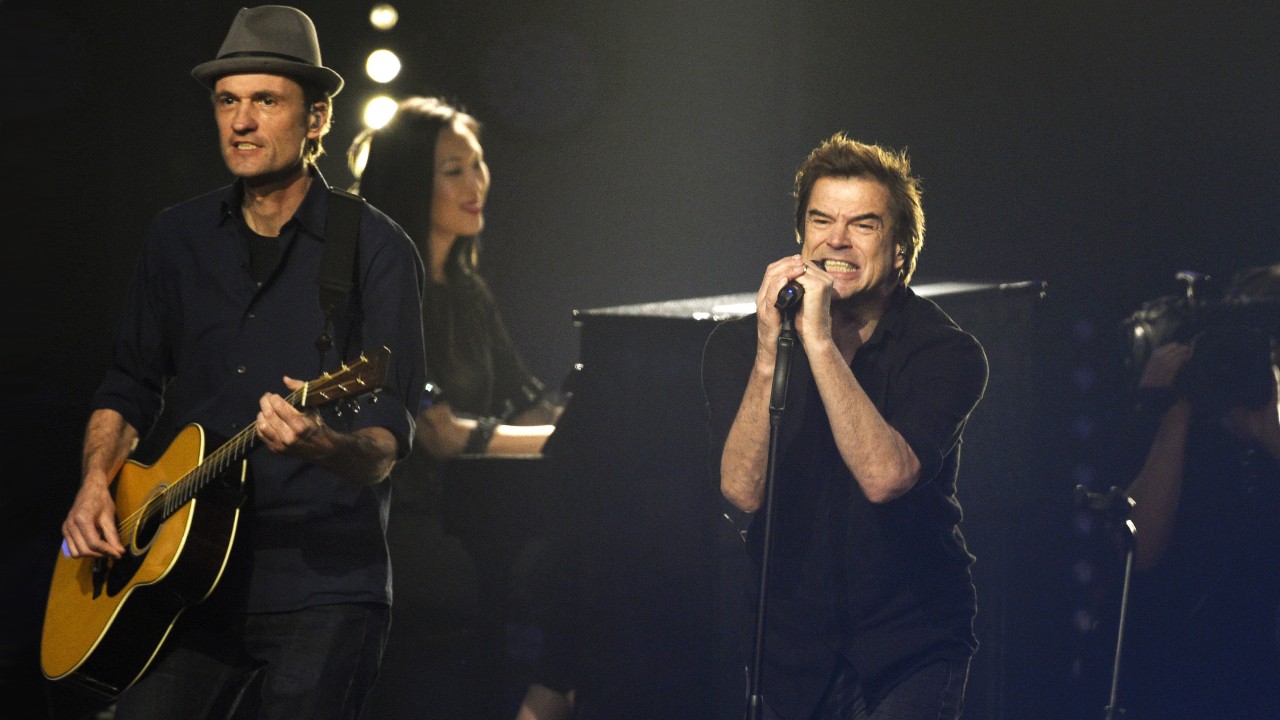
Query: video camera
point(1231, 330)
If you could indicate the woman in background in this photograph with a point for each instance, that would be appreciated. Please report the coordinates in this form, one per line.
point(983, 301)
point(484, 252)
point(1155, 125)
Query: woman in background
point(445, 656)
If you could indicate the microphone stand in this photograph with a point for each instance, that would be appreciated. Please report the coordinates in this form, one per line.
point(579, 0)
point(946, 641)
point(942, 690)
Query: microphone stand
point(1116, 506)
point(777, 404)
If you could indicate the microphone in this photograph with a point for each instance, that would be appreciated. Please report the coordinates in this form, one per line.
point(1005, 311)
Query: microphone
point(789, 297)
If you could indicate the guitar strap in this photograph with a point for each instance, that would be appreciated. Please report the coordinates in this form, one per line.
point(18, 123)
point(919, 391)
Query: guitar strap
point(337, 260)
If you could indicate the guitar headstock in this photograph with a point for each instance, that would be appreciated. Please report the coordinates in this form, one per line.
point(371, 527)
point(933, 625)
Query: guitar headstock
point(364, 375)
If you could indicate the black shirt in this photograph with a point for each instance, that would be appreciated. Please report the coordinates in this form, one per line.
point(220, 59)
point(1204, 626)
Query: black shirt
point(886, 586)
point(202, 338)
point(470, 353)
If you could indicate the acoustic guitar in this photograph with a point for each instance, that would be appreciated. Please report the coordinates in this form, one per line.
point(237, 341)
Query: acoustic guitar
point(106, 619)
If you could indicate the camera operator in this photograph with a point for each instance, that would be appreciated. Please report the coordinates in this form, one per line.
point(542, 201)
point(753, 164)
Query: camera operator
point(1202, 637)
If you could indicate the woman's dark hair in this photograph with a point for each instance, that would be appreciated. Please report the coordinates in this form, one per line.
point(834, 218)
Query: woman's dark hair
point(395, 171)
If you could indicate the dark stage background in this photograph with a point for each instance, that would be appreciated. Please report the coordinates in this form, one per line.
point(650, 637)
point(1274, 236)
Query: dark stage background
point(643, 153)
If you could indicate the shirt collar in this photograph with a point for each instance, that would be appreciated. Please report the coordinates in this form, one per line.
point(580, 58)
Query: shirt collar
point(890, 320)
point(310, 214)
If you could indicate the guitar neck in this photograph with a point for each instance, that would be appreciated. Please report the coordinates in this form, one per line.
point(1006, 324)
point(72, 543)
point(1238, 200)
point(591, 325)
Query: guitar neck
point(362, 376)
point(218, 462)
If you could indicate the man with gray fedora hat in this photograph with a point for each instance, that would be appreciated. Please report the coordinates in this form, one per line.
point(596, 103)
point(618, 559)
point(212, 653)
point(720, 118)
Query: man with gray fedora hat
point(270, 39)
point(230, 308)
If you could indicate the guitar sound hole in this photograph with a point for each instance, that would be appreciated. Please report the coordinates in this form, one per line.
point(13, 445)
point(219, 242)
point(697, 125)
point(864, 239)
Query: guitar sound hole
point(151, 517)
point(147, 530)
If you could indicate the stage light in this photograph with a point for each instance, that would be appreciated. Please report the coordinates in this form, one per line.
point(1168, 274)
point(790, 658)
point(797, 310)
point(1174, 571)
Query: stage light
point(383, 16)
point(379, 111)
point(383, 66)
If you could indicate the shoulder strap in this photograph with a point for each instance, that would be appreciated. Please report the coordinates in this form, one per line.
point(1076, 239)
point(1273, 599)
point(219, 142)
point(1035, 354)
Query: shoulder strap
point(337, 261)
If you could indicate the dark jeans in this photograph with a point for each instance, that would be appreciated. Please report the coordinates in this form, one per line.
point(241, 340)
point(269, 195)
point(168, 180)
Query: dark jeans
point(317, 663)
point(935, 692)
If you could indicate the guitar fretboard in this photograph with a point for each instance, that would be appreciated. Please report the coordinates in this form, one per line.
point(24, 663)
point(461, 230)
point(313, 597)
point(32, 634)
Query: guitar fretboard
point(216, 463)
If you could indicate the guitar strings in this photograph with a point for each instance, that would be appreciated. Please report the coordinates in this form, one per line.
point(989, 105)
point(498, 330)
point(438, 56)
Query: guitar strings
point(219, 460)
point(186, 487)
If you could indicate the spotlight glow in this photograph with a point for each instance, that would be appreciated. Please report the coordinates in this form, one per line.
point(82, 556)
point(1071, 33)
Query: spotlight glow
point(379, 111)
point(383, 16)
point(383, 66)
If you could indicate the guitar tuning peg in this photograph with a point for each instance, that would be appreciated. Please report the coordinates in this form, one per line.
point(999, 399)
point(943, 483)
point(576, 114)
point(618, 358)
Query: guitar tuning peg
point(347, 405)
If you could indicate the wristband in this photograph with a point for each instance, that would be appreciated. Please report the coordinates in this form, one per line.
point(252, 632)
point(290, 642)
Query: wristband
point(480, 436)
point(431, 394)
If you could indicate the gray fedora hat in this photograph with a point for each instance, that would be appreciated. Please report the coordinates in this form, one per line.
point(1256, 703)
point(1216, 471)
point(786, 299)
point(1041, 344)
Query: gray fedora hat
point(275, 39)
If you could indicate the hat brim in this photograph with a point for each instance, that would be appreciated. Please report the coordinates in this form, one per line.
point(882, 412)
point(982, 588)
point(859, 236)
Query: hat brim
point(207, 74)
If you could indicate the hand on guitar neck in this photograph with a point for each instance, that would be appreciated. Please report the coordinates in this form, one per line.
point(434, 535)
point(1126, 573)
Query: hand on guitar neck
point(364, 457)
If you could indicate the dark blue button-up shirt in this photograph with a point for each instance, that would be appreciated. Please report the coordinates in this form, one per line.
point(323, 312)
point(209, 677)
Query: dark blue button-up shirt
point(202, 340)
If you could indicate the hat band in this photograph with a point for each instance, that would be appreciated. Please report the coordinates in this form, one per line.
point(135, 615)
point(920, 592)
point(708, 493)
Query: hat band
point(260, 54)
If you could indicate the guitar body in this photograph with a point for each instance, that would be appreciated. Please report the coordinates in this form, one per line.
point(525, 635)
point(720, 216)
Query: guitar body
point(106, 619)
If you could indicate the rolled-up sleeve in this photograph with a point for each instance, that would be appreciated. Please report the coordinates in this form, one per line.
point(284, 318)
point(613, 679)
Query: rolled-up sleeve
point(392, 273)
point(939, 384)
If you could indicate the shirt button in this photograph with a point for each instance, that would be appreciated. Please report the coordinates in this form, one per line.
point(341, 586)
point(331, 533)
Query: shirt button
point(252, 316)
point(240, 370)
